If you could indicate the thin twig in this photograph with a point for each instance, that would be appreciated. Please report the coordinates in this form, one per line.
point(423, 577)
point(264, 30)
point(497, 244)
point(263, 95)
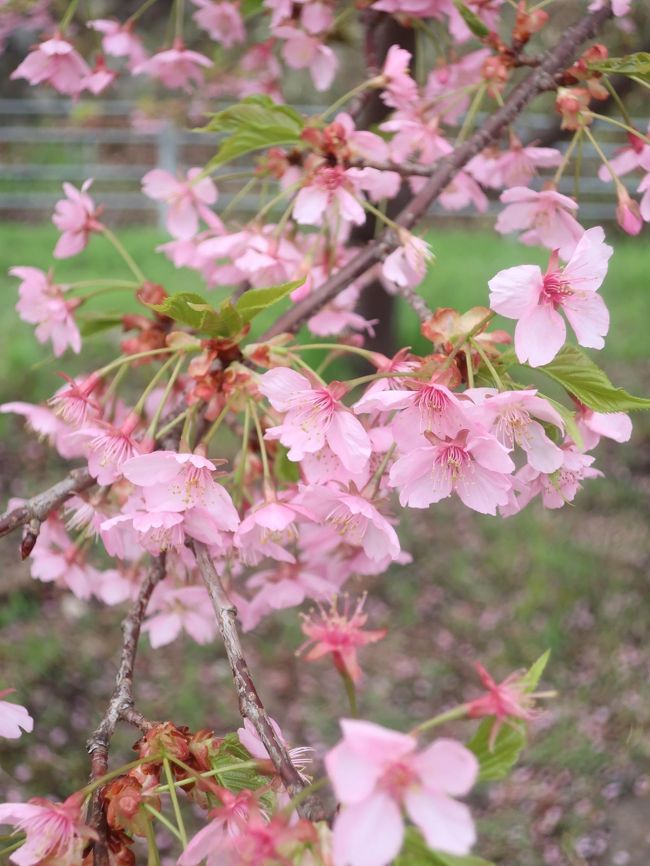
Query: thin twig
point(121, 703)
point(539, 80)
point(250, 703)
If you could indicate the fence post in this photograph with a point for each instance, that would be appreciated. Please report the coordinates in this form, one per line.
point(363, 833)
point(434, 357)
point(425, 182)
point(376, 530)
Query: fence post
point(166, 158)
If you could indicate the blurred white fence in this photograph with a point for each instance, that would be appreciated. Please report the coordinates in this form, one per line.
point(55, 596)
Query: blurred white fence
point(44, 142)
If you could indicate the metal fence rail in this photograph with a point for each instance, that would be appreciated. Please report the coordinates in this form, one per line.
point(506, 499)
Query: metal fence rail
point(44, 142)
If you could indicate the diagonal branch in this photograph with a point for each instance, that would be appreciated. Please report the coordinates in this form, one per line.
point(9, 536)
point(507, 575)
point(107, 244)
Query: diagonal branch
point(120, 706)
point(539, 80)
point(250, 703)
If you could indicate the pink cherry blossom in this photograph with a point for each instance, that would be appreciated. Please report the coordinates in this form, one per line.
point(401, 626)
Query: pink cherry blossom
point(503, 701)
point(635, 155)
point(556, 489)
point(110, 447)
point(118, 40)
point(155, 531)
point(303, 50)
point(545, 218)
point(400, 89)
point(407, 265)
point(172, 481)
point(173, 610)
point(55, 832)
point(214, 842)
point(417, 135)
point(176, 67)
point(188, 200)
point(628, 212)
point(54, 62)
point(462, 192)
point(268, 530)
point(285, 586)
point(14, 718)
point(56, 559)
point(376, 773)
point(510, 416)
point(426, 407)
point(329, 187)
point(314, 417)
point(611, 425)
point(46, 424)
point(100, 77)
point(76, 217)
point(250, 740)
point(339, 633)
point(42, 303)
point(73, 402)
point(619, 7)
point(474, 466)
point(644, 204)
point(535, 299)
point(222, 21)
point(354, 518)
point(515, 167)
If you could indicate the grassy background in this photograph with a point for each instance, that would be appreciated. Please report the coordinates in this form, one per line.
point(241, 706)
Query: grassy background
point(479, 588)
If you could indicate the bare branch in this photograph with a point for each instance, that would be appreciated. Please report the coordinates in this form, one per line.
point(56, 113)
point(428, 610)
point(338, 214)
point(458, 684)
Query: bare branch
point(539, 80)
point(36, 509)
point(250, 703)
point(121, 703)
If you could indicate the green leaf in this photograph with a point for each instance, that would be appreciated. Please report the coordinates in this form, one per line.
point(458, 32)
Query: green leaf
point(99, 323)
point(633, 65)
point(193, 310)
point(255, 301)
point(497, 762)
point(576, 372)
point(416, 853)
point(533, 675)
point(472, 20)
point(254, 123)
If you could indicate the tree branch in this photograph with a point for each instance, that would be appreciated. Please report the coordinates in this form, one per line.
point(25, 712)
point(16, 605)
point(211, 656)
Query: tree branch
point(120, 706)
point(250, 703)
point(33, 512)
point(539, 80)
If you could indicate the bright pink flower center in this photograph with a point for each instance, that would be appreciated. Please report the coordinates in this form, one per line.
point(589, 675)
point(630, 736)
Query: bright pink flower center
point(397, 779)
point(454, 460)
point(330, 179)
point(555, 289)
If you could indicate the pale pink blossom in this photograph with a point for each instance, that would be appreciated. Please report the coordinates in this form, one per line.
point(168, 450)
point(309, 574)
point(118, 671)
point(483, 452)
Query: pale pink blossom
point(594, 425)
point(446, 80)
point(177, 67)
point(314, 417)
point(100, 77)
point(407, 265)
point(556, 489)
point(400, 91)
point(417, 136)
point(285, 586)
point(515, 417)
point(119, 40)
point(504, 702)
point(329, 187)
point(377, 773)
point(73, 402)
point(222, 21)
point(535, 300)
point(155, 531)
point(56, 833)
point(42, 303)
point(268, 530)
point(635, 155)
point(628, 212)
point(486, 10)
point(515, 167)
point(302, 50)
point(76, 218)
point(188, 200)
point(14, 718)
point(250, 740)
point(339, 634)
point(46, 424)
point(356, 520)
point(545, 218)
point(619, 7)
point(644, 204)
point(213, 843)
point(474, 466)
point(172, 481)
point(173, 610)
point(55, 62)
point(56, 559)
point(462, 192)
point(426, 407)
point(110, 447)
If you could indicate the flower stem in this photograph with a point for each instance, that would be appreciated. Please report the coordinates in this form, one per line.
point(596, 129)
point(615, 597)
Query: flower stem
point(151, 432)
point(488, 363)
point(260, 436)
point(448, 716)
point(174, 798)
point(124, 253)
point(470, 366)
point(140, 11)
point(153, 855)
point(567, 156)
point(625, 126)
point(206, 439)
point(139, 406)
point(371, 82)
point(164, 821)
point(68, 15)
point(126, 359)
